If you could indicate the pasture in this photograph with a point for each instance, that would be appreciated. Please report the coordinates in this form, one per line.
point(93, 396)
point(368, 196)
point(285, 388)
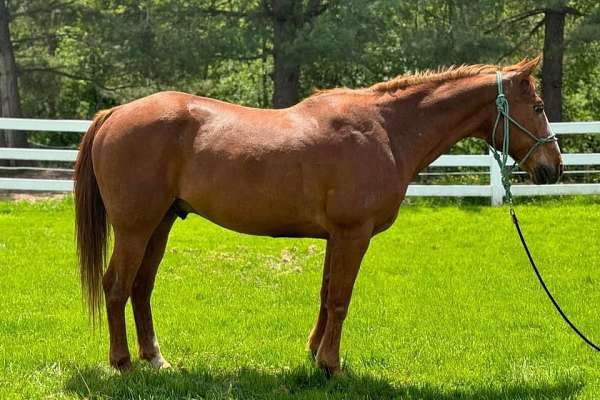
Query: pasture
point(445, 307)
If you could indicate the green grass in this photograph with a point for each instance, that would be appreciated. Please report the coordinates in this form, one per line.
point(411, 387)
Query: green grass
point(445, 307)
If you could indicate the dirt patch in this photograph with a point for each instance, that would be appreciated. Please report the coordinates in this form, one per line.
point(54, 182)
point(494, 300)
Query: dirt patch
point(31, 197)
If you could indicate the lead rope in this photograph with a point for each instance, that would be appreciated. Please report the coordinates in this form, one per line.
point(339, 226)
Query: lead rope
point(539, 276)
point(502, 160)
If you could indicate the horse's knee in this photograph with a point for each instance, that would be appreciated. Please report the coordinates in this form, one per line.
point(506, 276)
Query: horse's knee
point(337, 312)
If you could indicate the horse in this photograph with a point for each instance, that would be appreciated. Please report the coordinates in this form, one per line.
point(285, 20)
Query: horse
point(336, 166)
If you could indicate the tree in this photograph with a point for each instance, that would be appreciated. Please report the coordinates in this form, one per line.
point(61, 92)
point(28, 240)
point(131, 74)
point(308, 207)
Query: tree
point(10, 101)
point(281, 27)
point(554, 13)
point(288, 18)
point(554, 49)
point(286, 15)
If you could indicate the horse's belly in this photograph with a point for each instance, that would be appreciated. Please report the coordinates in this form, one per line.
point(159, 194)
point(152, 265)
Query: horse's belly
point(271, 201)
point(271, 228)
point(256, 217)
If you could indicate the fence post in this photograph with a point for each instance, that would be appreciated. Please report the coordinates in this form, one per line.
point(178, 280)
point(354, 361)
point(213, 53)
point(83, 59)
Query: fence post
point(496, 182)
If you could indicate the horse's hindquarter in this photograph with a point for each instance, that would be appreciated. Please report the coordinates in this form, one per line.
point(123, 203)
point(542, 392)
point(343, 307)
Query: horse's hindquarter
point(279, 172)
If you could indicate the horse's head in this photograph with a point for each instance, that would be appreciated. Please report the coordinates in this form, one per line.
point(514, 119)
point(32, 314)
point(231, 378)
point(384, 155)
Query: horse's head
point(531, 143)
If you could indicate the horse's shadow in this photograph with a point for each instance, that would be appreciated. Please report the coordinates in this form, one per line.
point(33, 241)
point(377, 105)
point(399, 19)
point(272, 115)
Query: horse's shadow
point(302, 382)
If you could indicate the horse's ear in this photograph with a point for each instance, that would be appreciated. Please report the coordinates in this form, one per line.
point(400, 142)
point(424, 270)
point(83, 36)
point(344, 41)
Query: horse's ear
point(526, 67)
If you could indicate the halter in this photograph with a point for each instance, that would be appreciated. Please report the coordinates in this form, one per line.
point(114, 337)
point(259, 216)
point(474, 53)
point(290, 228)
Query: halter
point(502, 158)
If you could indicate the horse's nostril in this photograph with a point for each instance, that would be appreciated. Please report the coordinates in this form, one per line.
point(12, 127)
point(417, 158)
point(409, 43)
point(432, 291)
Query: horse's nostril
point(539, 176)
point(547, 174)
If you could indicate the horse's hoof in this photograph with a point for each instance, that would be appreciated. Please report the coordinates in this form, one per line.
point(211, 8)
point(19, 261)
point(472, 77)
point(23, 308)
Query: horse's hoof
point(159, 362)
point(123, 365)
point(330, 369)
point(331, 372)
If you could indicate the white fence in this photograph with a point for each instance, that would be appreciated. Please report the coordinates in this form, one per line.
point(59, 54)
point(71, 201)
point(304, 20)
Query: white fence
point(494, 190)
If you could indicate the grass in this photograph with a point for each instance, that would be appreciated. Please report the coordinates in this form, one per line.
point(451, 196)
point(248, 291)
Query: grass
point(445, 307)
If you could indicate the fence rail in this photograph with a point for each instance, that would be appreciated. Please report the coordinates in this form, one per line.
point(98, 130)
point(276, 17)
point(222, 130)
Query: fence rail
point(494, 190)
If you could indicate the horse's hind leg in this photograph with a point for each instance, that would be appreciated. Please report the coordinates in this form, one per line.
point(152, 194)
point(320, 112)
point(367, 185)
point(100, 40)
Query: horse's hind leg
point(117, 282)
point(143, 284)
point(314, 339)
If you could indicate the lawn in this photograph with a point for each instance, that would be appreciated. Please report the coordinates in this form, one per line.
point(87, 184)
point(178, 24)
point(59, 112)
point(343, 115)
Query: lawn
point(445, 307)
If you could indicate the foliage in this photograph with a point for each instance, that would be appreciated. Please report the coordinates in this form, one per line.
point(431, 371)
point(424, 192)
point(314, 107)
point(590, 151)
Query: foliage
point(79, 56)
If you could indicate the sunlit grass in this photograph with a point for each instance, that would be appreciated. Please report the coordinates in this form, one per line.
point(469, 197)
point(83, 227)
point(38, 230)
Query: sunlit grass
point(445, 307)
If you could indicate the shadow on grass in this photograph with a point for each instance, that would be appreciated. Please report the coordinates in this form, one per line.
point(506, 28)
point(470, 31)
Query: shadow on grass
point(301, 383)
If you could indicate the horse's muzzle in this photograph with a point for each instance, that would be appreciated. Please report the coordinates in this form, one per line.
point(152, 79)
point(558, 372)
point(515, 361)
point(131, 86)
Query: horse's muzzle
point(545, 174)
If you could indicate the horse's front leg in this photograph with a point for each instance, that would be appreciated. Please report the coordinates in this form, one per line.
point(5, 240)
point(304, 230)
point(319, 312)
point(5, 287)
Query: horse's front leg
point(314, 339)
point(347, 248)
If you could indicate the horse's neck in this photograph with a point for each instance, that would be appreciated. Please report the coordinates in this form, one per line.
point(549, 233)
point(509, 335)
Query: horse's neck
point(424, 123)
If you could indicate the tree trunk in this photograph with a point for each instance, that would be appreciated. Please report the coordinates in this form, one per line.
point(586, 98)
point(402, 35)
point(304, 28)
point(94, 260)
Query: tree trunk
point(2, 143)
point(9, 86)
point(552, 69)
point(286, 70)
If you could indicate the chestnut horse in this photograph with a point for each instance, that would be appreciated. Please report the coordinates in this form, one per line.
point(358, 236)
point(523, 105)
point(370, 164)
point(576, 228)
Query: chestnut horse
point(335, 166)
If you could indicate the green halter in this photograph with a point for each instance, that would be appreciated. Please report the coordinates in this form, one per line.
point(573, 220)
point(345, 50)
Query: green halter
point(502, 158)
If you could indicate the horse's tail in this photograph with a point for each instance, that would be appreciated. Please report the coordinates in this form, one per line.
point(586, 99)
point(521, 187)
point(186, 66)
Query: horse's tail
point(90, 221)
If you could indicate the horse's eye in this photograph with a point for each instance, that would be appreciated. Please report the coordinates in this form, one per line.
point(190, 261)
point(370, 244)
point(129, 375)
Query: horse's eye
point(538, 108)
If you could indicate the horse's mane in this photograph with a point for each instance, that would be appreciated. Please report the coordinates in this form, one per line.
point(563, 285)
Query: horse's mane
point(438, 75)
